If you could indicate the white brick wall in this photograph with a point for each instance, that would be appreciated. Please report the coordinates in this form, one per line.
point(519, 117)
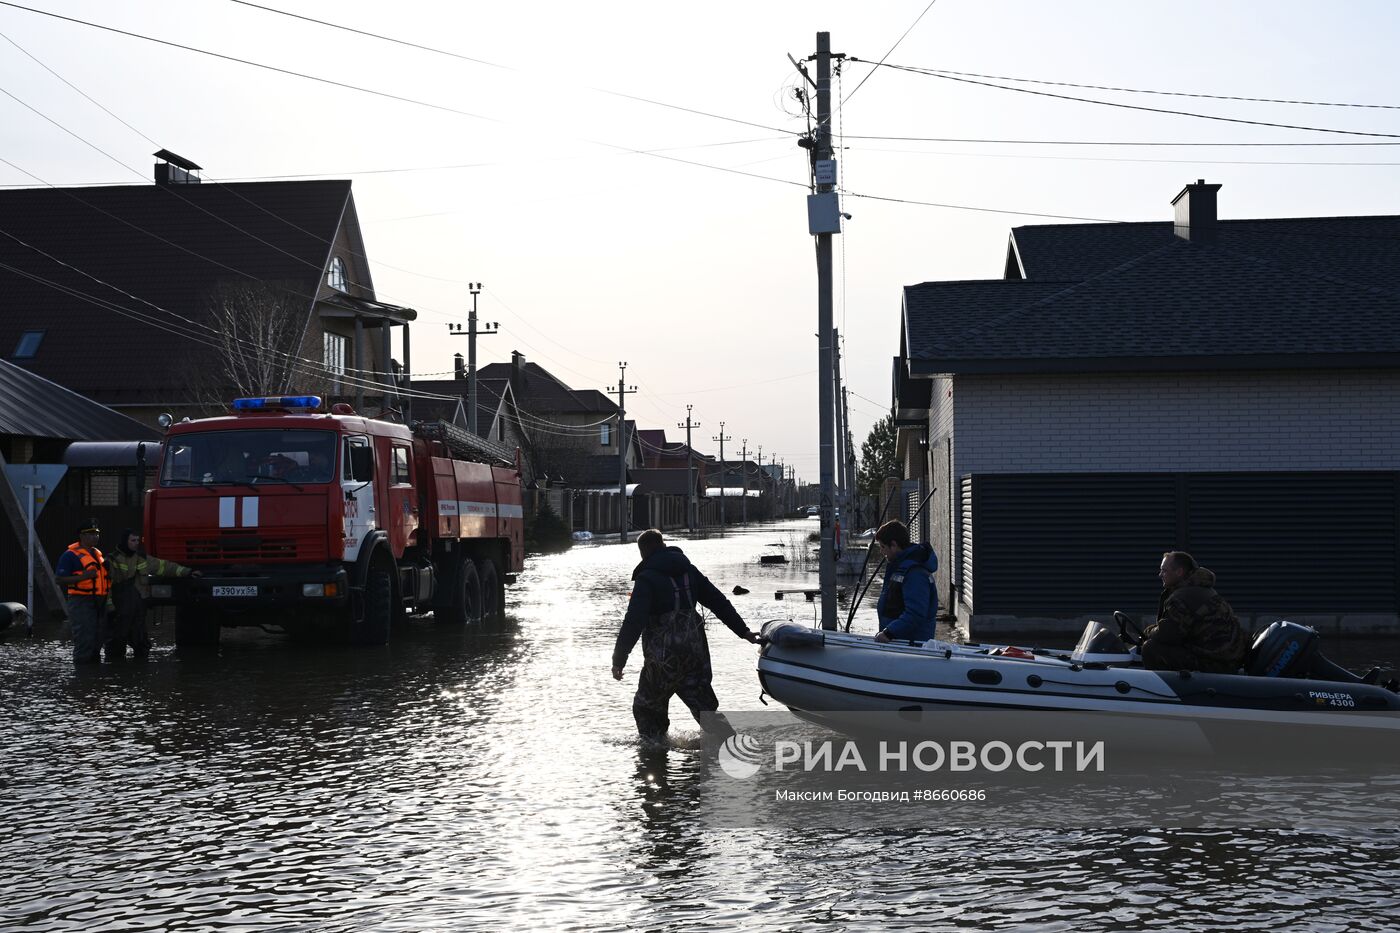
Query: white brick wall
point(1325, 420)
point(943, 507)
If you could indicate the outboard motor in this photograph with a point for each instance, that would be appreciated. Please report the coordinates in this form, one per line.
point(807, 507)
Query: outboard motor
point(787, 634)
point(1287, 649)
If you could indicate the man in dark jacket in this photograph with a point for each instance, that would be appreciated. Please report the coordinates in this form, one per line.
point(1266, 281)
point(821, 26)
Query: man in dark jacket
point(1196, 630)
point(676, 656)
point(131, 586)
point(908, 606)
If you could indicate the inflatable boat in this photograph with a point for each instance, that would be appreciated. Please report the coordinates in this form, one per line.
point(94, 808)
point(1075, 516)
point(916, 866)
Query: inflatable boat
point(826, 677)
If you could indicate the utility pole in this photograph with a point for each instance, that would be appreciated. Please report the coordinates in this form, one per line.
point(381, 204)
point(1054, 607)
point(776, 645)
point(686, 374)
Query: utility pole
point(690, 516)
point(723, 473)
point(852, 473)
point(823, 220)
point(762, 484)
point(471, 333)
point(623, 390)
point(842, 480)
point(744, 472)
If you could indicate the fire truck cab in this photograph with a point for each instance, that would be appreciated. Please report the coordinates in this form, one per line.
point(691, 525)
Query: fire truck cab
point(306, 519)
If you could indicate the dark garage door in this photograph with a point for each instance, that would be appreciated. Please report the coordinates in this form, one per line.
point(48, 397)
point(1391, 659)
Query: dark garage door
point(1070, 544)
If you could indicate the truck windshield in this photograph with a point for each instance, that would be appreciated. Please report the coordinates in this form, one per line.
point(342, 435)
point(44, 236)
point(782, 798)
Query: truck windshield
point(246, 457)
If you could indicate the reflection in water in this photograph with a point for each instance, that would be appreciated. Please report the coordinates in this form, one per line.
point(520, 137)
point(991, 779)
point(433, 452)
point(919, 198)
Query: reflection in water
point(491, 780)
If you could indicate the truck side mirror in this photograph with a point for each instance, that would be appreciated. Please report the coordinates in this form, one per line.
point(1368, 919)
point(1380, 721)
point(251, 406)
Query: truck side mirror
point(362, 464)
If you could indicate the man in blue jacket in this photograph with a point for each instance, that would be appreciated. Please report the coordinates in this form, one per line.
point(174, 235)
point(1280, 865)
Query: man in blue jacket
point(675, 654)
point(908, 606)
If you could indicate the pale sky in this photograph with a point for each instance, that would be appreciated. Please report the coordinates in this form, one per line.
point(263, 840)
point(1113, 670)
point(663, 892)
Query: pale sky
point(702, 280)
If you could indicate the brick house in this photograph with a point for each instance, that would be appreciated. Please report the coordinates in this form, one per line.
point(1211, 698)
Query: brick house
point(1229, 387)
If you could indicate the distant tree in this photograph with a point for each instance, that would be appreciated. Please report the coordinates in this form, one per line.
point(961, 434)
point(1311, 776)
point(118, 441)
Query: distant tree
point(877, 458)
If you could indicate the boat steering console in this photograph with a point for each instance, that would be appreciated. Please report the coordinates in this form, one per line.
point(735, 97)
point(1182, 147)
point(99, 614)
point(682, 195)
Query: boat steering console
point(1128, 629)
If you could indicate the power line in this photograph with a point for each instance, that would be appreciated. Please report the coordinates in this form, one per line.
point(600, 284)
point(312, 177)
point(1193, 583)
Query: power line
point(1138, 90)
point(1019, 155)
point(231, 190)
point(196, 324)
point(1140, 107)
point(1109, 142)
point(410, 100)
point(889, 53)
point(297, 364)
point(253, 64)
point(742, 385)
point(80, 91)
point(983, 210)
point(372, 35)
point(882, 406)
point(479, 61)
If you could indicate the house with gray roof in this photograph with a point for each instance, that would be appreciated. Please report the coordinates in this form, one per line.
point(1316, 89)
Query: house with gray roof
point(1226, 387)
point(178, 295)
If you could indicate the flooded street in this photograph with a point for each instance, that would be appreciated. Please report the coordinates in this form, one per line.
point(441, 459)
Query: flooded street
point(490, 780)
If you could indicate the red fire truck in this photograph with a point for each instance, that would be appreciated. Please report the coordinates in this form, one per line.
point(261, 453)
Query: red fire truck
point(310, 519)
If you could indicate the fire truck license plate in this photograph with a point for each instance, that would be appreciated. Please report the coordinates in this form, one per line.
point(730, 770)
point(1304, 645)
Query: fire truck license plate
point(235, 591)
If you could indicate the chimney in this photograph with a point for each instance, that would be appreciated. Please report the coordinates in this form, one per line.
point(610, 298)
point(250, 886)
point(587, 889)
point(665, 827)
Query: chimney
point(175, 170)
point(517, 364)
point(1195, 212)
point(459, 367)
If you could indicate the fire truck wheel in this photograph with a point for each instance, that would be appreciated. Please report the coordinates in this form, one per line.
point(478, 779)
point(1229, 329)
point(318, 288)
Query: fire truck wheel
point(492, 597)
point(373, 627)
point(196, 627)
point(466, 596)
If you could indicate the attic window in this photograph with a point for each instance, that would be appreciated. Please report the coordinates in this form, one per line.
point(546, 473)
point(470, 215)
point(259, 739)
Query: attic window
point(335, 275)
point(28, 346)
point(605, 434)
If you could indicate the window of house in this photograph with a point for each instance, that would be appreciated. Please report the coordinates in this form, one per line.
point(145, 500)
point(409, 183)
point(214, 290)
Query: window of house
point(401, 466)
point(335, 275)
point(500, 429)
point(605, 434)
point(333, 347)
point(28, 346)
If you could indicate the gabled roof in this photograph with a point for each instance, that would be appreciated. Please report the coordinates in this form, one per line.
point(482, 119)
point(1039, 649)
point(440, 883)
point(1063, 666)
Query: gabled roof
point(155, 252)
point(653, 439)
point(1308, 292)
point(1361, 250)
point(31, 406)
point(489, 396)
point(1180, 305)
point(937, 310)
point(541, 392)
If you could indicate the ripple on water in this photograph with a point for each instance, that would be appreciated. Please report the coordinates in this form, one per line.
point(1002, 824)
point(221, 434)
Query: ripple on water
point(489, 780)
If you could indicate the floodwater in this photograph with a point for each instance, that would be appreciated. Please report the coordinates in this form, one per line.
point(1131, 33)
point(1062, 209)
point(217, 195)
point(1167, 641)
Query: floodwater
point(489, 780)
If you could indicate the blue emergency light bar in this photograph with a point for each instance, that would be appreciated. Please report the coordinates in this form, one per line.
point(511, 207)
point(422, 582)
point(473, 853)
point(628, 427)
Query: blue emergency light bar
point(278, 403)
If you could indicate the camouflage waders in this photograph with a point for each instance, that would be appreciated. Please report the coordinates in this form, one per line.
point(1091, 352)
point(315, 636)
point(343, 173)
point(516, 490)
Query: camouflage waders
point(676, 661)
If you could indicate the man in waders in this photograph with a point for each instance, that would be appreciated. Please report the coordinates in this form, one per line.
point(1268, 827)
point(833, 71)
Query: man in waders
point(676, 656)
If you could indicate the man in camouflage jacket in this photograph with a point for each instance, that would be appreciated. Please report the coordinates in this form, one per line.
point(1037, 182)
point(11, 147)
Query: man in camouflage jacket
point(130, 572)
point(1196, 630)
